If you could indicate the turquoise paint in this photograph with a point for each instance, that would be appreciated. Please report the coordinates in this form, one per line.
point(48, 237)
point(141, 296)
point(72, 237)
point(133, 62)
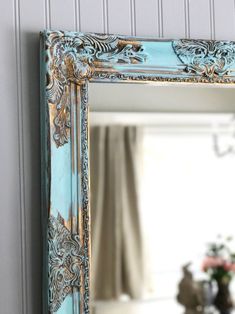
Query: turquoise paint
point(68, 57)
point(67, 306)
point(61, 181)
point(161, 53)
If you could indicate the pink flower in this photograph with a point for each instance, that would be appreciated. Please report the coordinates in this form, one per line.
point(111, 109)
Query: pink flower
point(212, 262)
point(229, 266)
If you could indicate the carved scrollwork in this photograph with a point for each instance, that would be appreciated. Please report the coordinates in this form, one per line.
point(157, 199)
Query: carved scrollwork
point(209, 59)
point(62, 120)
point(73, 59)
point(85, 195)
point(115, 77)
point(65, 260)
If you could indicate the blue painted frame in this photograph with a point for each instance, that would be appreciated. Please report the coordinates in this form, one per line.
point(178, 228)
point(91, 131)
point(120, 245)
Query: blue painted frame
point(68, 62)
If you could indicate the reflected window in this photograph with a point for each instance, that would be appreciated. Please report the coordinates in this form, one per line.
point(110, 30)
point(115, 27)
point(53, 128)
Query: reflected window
point(187, 199)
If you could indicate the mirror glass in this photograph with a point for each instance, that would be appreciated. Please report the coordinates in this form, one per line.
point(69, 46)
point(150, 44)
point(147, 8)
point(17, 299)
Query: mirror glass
point(162, 162)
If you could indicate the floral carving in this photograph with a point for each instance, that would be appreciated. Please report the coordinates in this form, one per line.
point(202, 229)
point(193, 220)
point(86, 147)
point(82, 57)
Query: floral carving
point(209, 59)
point(65, 259)
point(75, 58)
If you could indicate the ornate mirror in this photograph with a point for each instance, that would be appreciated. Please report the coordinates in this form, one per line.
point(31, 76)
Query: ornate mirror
point(158, 77)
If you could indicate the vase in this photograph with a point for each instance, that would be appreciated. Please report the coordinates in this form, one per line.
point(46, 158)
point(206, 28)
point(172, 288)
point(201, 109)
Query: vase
point(223, 301)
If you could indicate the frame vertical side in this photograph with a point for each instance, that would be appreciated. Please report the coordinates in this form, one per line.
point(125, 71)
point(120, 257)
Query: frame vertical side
point(75, 178)
point(85, 197)
point(45, 171)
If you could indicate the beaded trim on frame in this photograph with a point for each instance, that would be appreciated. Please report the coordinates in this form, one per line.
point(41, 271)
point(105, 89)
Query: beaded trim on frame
point(72, 59)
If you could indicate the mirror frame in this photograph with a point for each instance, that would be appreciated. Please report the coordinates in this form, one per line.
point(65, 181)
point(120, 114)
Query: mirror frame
point(70, 60)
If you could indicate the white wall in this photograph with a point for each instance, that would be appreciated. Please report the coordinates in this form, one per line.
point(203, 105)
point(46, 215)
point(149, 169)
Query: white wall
point(20, 23)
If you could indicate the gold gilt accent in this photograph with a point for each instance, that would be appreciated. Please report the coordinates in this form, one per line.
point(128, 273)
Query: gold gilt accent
point(73, 59)
point(206, 59)
point(65, 260)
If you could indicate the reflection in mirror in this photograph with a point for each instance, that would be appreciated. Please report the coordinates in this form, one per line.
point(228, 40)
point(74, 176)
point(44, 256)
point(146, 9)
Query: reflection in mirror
point(162, 199)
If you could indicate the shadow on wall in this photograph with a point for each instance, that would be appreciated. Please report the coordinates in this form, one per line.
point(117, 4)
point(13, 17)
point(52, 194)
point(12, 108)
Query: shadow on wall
point(30, 148)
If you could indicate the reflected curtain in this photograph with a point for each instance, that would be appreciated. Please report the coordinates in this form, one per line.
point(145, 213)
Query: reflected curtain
point(117, 266)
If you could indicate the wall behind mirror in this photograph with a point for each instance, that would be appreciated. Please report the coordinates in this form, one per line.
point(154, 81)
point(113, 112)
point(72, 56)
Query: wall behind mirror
point(162, 190)
point(21, 21)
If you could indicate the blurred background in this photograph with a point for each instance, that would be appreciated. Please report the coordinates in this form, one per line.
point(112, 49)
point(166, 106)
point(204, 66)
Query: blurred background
point(162, 199)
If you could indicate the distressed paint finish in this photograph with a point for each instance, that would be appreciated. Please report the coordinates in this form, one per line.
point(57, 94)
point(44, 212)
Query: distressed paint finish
point(68, 61)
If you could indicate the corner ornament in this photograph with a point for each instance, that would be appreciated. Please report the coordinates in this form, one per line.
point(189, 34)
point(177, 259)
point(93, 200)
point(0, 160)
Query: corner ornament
point(209, 59)
point(65, 260)
point(73, 59)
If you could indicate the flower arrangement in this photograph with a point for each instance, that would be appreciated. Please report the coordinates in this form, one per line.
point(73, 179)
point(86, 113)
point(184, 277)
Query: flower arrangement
point(219, 262)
